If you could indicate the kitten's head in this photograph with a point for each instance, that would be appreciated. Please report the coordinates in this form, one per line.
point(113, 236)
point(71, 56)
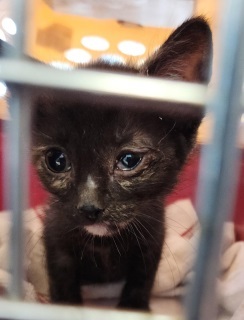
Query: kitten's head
point(105, 166)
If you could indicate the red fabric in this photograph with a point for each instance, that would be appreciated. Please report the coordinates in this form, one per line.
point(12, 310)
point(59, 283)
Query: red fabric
point(186, 188)
point(239, 205)
point(37, 194)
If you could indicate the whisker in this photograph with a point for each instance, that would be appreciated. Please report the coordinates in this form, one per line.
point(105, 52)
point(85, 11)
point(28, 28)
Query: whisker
point(139, 247)
point(176, 264)
point(116, 245)
point(150, 217)
point(177, 222)
point(183, 209)
point(153, 238)
point(119, 233)
point(77, 227)
point(88, 237)
point(94, 259)
point(40, 133)
point(33, 247)
point(170, 268)
point(167, 133)
point(137, 228)
point(31, 237)
point(168, 226)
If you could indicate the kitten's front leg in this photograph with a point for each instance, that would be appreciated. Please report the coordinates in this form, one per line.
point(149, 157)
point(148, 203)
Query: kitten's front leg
point(63, 272)
point(142, 269)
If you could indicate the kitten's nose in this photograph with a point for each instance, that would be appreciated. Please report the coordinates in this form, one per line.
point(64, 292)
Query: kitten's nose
point(91, 212)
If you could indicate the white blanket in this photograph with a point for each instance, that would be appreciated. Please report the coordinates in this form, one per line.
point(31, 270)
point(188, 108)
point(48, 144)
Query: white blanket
point(174, 271)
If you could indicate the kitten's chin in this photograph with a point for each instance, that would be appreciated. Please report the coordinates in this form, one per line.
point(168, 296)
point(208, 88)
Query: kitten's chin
point(100, 230)
point(104, 229)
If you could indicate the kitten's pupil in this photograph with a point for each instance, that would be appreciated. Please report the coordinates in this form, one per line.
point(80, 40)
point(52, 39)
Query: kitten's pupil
point(129, 161)
point(57, 161)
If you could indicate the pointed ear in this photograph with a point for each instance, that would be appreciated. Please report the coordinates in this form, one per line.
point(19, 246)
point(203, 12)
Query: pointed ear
point(186, 55)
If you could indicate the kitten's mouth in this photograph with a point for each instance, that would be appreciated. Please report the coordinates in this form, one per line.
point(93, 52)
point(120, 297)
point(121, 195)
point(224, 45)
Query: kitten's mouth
point(98, 229)
point(104, 229)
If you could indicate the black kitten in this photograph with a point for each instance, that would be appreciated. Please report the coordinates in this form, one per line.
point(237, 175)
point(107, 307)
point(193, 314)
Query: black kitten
point(108, 171)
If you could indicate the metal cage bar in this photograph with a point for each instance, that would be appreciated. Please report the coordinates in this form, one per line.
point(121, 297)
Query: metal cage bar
point(17, 155)
point(107, 83)
point(219, 165)
point(34, 311)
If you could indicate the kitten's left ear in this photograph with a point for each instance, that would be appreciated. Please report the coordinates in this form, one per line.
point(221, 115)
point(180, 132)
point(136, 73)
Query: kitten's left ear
point(186, 55)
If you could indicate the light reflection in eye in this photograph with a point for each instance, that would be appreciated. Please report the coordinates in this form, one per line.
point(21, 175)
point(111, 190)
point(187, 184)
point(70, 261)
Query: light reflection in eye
point(129, 161)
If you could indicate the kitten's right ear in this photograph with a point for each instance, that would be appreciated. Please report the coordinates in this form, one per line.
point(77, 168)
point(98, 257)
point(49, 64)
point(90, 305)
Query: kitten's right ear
point(186, 55)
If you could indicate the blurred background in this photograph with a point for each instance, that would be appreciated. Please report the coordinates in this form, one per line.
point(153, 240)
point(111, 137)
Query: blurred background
point(111, 29)
point(66, 32)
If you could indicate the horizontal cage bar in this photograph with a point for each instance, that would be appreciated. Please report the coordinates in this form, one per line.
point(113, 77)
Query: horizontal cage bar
point(34, 74)
point(34, 311)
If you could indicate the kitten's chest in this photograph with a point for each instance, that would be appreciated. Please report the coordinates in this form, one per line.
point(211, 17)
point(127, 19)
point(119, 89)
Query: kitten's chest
point(101, 262)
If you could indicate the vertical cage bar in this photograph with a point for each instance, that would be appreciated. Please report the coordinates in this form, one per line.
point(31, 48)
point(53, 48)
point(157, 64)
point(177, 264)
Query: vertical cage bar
point(218, 171)
point(16, 153)
point(19, 14)
point(18, 140)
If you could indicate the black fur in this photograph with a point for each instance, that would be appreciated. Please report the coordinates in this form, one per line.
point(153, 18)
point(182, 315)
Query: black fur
point(130, 203)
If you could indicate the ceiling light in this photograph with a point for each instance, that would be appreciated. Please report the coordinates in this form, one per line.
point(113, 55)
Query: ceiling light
point(131, 48)
point(78, 55)
point(112, 58)
point(3, 89)
point(61, 65)
point(9, 26)
point(95, 43)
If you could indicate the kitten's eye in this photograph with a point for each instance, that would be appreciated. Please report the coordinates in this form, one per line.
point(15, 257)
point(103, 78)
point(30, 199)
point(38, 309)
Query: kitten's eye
point(57, 161)
point(129, 161)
